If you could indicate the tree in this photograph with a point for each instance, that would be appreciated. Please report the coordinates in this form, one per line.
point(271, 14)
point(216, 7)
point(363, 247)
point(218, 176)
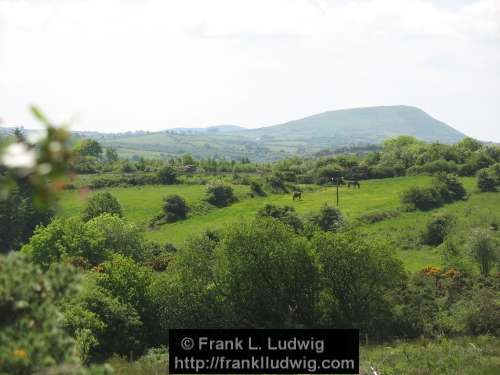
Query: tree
point(175, 208)
point(111, 155)
point(19, 216)
point(101, 203)
point(167, 175)
point(89, 147)
point(267, 274)
point(356, 276)
point(87, 243)
point(482, 249)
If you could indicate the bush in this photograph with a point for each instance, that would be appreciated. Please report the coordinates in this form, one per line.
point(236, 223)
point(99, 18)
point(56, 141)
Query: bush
point(437, 229)
point(277, 183)
point(94, 241)
point(167, 175)
point(220, 195)
point(329, 219)
point(449, 187)
point(485, 180)
point(483, 250)
point(31, 330)
point(175, 208)
point(285, 214)
point(422, 198)
point(256, 188)
point(101, 203)
point(374, 217)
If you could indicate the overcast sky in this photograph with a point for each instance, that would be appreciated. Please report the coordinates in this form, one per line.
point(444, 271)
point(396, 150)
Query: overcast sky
point(117, 65)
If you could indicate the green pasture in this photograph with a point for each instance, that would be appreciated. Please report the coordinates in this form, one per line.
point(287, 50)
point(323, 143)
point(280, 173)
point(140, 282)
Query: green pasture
point(140, 204)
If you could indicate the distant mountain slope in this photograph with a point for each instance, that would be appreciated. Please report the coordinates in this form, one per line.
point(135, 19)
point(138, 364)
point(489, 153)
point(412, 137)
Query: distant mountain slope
point(211, 129)
point(329, 130)
point(361, 125)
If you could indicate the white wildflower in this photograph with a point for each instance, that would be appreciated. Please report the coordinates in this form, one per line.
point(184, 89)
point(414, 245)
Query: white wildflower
point(18, 155)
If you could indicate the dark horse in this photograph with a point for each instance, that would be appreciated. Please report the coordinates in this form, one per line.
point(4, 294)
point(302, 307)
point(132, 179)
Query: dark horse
point(353, 183)
point(297, 195)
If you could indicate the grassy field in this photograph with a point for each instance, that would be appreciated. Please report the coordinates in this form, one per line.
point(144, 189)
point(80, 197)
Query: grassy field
point(140, 204)
point(457, 356)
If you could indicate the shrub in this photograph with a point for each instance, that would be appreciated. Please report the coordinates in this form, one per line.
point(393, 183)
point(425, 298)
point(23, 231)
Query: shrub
point(101, 203)
point(422, 198)
point(485, 180)
point(94, 240)
point(285, 214)
point(256, 188)
point(277, 183)
point(328, 219)
point(220, 195)
point(167, 175)
point(31, 334)
point(449, 187)
point(175, 208)
point(483, 250)
point(374, 217)
point(437, 229)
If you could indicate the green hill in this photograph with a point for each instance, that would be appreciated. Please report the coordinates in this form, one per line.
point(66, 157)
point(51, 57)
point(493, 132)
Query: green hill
point(329, 130)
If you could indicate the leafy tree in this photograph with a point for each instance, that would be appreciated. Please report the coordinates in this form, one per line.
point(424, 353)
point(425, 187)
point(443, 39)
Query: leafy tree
point(111, 154)
point(101, 203)
point(19, 216)
point(167, 175)
point(483, 250)
point(220, 195)
point(277, 183)
point(186, 296)
point(175, 208)
point(328, 219)
point(267, 274)
point(357, 277)
point(32, 337)
point(89, 147)
point(93, 241)
point(112, 313)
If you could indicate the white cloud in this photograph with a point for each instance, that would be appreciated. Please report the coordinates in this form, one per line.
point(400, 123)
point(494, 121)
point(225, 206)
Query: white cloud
point(157, 64)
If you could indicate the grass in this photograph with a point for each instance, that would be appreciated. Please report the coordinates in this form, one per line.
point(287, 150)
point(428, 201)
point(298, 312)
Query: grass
point(443, 356)
point(140, 204)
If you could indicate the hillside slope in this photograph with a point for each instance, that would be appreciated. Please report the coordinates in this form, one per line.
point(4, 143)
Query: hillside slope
point(370, 124)
point(329, 130)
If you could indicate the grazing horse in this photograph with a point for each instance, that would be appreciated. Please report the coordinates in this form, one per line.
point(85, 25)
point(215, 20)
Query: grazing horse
point(353, 183)
point(297, 195)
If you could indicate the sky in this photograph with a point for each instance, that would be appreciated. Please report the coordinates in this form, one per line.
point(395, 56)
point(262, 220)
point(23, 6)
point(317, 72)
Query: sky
point(118, 65)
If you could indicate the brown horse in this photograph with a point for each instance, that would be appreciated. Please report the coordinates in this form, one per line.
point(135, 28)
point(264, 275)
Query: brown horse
point(353, 183)
point(297, 195)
